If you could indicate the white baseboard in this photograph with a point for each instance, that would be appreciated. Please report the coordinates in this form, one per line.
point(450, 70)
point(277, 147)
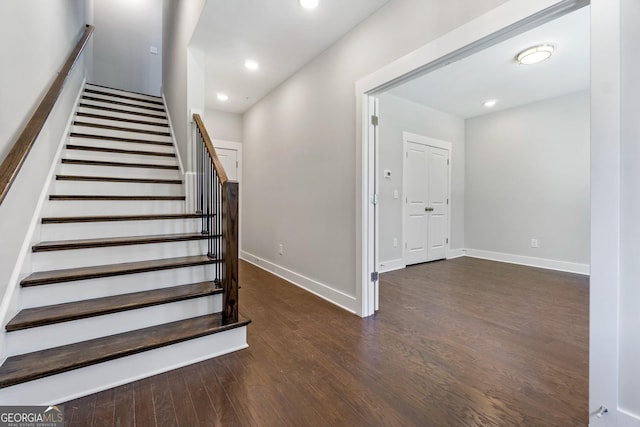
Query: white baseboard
point(550, 264)
point(627, 419)
point(334, 296)
point(391, 265)
point(455, 253)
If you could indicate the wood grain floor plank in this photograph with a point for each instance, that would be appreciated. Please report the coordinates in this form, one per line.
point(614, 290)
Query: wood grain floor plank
point(124, 402)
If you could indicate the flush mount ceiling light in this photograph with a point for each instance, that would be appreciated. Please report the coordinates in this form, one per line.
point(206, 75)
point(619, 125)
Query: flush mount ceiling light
point(309, 4)
point(535, 54)
point(222, 97)
point(252, 65)
point(490, 103)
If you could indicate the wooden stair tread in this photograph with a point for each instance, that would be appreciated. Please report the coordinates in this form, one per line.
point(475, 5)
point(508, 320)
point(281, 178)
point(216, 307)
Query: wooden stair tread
point(119, 110)
point(58, 313)
point(118, 164)
point(125, 104)
point(116, 179)
point(118, 241)
point(117, 95)
point(119, 139)
point(120, 119)
point(109, 270)
point(152, 217)
point(67, 197)
point(118, 151)
point(123, 90)
point(120, 128)
point(40, 364)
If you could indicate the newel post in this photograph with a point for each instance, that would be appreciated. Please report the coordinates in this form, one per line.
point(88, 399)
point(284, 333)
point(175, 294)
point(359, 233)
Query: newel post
point(230, 193)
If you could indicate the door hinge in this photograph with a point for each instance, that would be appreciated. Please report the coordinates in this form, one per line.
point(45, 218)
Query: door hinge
point(237, 164)
point(374, 120)
point(447, 162)
point(447, 201)
point(374, 276)
point(447, 240)
point(374, 199)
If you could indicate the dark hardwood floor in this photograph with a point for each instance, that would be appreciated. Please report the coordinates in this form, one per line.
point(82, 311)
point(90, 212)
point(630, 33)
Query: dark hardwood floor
point(465, 342)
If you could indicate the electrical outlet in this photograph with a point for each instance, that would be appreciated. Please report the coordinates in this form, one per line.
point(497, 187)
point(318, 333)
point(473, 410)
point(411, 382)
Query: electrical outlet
point(395, 242)
point(534, 243)
point(153, 50)
point(281, 249)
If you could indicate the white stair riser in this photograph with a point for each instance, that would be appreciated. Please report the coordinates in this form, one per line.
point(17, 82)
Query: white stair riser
point(43, 337)
point(122, 92)
point(75, 258)
point(122, 115)
point(58, 293)
point(120, 134)
point(122, 108)
point(69, 231)
point(118, 207)
point(105, 143)
point(118, 171)
point(140, 102)
point(119, 123)
point(92, 379)
point(116, 188)
point(119, 157)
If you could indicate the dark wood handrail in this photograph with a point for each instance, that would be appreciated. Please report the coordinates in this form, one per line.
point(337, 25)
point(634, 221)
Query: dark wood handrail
point(229, 211)
point(212, 151)
point(17, 155)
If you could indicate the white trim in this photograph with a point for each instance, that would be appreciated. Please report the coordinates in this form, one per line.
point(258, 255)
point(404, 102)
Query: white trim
point(391, 265)
point(456, 253)
point(173, 136)
point(627, 419)
point(342, 300)
point(550, 264)
point(429, 142)
point(500, 23)
point(234, 145)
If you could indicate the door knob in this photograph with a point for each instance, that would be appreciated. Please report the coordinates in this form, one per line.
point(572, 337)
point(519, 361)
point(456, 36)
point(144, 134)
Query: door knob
point(428, 209)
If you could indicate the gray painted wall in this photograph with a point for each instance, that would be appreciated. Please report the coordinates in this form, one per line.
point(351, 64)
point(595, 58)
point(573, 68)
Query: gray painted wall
point(125, 30)
point(527, 176)
point(179, 21)
point(34, 48)
point(300, 143)
point(396, 116)
point(223, 125)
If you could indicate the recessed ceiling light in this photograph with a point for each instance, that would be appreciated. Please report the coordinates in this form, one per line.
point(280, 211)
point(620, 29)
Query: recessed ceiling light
point(535, 54)
point(490, 103)
point(309, 4)
point(252, 65)
point(222, 97)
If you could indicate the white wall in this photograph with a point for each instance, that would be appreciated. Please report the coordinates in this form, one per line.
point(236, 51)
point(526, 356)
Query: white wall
point(527, 176)
point(398, 115)
point(179, 21)
point(300, 144)
point(125, 30)
point(37, 39)
point(630, 218)
point(223, 125)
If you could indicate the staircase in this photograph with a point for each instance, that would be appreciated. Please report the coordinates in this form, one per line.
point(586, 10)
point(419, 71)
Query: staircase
point(123, 284)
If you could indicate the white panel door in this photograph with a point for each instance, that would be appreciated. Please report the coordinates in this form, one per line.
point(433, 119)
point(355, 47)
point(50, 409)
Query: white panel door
point(229, 160)
point(426, 221)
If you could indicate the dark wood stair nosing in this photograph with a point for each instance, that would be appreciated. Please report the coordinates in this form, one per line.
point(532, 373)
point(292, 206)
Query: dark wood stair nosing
point(120, 119)
point(117, 218)
point(118, 164)
point(64, 245)
point(111, 270)
point(127, 91)
point(121, 111)
point(65, 312)
point(118, 151)
point(119, 139)
point(92, 352)
point(118, 95)
point(116, 179)
point(86, 197)
point(121, 128)
point(124, 104)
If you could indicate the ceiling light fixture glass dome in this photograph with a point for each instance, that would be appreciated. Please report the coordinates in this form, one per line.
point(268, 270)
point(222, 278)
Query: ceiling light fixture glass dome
point(535, 54)
point(309, 4)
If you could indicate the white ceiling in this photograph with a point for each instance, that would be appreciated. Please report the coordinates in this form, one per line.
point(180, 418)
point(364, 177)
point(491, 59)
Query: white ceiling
point(462, 87)
point(279, 34)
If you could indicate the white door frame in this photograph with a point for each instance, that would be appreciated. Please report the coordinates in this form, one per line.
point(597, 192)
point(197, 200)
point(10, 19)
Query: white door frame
point(430, 142)
point(234, 145)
